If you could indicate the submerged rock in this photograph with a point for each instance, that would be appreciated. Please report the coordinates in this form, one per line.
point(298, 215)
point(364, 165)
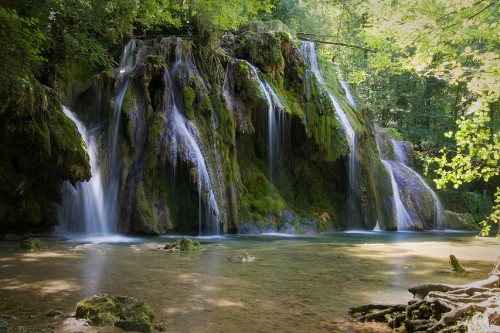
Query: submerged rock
point(244, 258)
point(128, 313)
point(183, 245)
point(32, 244)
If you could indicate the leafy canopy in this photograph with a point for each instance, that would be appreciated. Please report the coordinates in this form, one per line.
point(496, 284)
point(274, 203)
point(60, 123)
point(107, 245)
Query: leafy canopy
point(20, 47)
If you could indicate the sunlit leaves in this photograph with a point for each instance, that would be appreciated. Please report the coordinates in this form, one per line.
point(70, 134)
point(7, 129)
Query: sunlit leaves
point(20, 46)
point(455, 41)
point(230, 14)
point(152, 14)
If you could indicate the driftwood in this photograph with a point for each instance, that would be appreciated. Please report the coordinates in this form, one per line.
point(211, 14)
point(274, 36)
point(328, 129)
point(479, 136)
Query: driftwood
point(442, 308)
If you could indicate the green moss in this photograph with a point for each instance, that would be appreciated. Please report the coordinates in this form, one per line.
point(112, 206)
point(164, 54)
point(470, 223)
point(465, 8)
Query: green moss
point(107, 75)
point(145, 212)
point(104, 319)
point(247, 87)
point(226, 123)
point(261, 201)
point(154, 67)
point(39, 147)
point(264, 49)
point(125, 312)
point(394, 132)
point(32, 244)
point(205, 105)
point(460, 221)
point(183, 245)
point(189, 96)
point(455, 264)
point(154, 63)
point(68, 147)
point(128, 106)
point(155, 132)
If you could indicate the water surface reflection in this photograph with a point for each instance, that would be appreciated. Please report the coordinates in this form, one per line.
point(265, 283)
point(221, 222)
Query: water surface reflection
point(297, 284)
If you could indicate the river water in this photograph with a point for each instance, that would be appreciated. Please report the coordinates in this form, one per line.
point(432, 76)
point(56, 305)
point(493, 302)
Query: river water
point(297, 284)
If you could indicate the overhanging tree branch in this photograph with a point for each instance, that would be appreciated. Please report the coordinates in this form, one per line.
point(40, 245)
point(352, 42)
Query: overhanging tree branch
point(301, 37)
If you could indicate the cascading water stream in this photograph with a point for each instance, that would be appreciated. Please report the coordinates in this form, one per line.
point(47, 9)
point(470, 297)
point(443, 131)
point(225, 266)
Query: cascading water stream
point(348, 94)
point(184, 138)
point(438, 208)
point(403, 219)
point(127, 66)
point(91, 207)
point(82, 209)
point(274, 107)
point(400, 159)
point(399, 153)
point(309, 52)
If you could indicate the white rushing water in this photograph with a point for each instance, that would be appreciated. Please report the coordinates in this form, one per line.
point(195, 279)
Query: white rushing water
point(400, 158)
point(438, 208)
point(82, 209)
point(403, 219)
point(399, 153)
point(127, 65)
point(185, 140)
point(309, 53)
point(348, 94)
point(91, 207)
point(274, 110)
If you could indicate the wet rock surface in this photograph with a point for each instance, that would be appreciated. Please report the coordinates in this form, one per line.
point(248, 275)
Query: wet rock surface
point(128, 313)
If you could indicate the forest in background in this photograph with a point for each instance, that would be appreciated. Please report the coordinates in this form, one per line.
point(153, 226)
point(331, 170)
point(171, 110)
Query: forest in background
point(428, 69)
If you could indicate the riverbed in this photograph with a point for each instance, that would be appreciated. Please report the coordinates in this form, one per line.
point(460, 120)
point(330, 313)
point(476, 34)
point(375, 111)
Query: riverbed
point(296, 284)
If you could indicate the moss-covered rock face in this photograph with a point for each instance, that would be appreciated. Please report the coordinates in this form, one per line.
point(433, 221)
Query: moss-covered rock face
point(416, 198)
point(39, 147)
point(373, 189)
point(233, 139)
point(391, 146)
point(459, 221)
point(128, 313)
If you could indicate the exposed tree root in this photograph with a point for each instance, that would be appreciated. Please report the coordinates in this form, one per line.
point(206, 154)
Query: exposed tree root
point(442, 308)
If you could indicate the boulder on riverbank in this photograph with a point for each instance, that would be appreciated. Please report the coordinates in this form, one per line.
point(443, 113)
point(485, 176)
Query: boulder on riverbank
point(460, 221)
point(128, 313)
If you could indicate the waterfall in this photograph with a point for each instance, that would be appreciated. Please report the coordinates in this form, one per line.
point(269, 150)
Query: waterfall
point(403, 218)
point(127, 65)
point(91, 207)
point(399, 153)
point(309, 53)
point(438, 208)
point(348, 94)
point(274, 107)
point(82, 209)
point(182, 138)
point(393, 154)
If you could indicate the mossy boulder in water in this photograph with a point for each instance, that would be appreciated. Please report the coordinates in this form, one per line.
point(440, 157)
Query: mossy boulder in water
point(183, 245)
point(32, 244)
point(128, 313)
point(455, 264)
